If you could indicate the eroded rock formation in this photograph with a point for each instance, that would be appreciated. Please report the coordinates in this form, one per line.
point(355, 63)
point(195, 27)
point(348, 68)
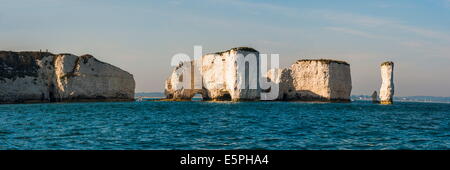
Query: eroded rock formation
point(387, 86)
point(46, 77)
point(375, 97)
point(315, 80)
point(219, 77)
point(308, 80)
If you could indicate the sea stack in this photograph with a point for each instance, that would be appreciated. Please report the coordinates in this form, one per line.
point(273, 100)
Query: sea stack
point(221, 77)
point(315, 80)
point(387, 86)
point(375, 97)
point(45, 77)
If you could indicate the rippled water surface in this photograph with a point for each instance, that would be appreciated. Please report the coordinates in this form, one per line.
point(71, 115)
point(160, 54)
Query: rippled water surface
point(205, 125)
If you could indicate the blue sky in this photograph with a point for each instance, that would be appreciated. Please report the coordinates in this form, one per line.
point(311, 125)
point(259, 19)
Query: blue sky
point(142, 36)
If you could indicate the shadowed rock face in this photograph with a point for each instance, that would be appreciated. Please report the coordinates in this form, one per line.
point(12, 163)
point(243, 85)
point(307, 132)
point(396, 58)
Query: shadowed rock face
point(46, 77)
point(18, 65)
point(375, 97)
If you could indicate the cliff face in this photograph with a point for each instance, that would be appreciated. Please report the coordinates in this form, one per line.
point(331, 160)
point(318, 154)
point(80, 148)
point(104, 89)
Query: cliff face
point(221, 77)
point(315, 80)
point(45, 77)
point(309, 80)
point(387, 86)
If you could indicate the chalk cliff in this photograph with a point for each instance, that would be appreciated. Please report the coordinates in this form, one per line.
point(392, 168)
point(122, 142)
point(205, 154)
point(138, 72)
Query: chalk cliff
point(220, 77)
point(46, 77)
point(315, 80)
point(308, 80)
point(387, 86)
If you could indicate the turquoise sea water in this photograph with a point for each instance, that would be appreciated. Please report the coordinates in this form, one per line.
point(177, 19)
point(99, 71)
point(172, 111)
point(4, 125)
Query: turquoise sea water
point(226, 125)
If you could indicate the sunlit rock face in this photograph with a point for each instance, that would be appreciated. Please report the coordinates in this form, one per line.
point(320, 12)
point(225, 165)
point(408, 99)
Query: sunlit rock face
point(176, 88)
point(45, 77)
point(387, 86)
point(315, 80)
point(222, 77)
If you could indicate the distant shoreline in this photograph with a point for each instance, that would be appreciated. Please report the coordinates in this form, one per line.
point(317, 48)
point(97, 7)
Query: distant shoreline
point(421, 99)
point(418, 99)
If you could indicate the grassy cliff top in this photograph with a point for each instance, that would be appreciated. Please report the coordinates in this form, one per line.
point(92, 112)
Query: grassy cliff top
point(238, 49)
point(387, 63)
point(36, 54)
point(27, 54)
point(327, 61)
point(15, 59)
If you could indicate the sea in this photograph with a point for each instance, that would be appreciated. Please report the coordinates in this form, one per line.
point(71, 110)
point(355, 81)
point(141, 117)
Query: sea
point(193, 125)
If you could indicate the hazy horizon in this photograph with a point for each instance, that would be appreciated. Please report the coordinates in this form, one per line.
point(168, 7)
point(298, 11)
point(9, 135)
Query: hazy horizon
point(142, 36)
